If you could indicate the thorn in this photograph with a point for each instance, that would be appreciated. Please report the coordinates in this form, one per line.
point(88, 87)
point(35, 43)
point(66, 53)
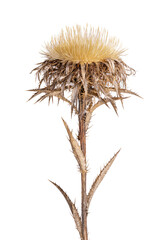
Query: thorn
point(50, 181)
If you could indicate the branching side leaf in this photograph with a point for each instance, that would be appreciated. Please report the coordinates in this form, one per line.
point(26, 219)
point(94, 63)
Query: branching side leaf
point(50, 94)
point(98, 104)
point(76, 149)
point(89, 114)
point(73, 209)
point(122, 90)
point(100, 177)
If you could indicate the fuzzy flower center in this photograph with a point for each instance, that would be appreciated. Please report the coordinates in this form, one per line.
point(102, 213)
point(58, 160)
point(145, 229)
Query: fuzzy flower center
point(83, 45)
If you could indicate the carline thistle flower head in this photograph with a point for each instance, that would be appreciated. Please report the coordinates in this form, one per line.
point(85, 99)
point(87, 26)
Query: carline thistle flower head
point(83, 61)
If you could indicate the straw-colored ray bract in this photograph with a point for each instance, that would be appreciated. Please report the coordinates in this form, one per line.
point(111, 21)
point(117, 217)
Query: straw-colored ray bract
point(83, 45)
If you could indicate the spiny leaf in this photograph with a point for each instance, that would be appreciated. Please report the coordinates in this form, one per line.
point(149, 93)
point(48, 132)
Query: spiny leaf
point(76, 149)
point(100, 177)
point(130, 92)
point(96, 105)
point(73, 209)
point(89, 114)
point(112, 102)
point(74, 97)
point(117, 87)
point(123, 90)
point(114, 106)
point(50, 94)
point(108, 98)
point(34, 95)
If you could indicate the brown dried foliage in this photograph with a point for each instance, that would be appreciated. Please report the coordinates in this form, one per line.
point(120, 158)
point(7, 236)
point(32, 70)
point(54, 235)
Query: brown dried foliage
point(104, 81)
point(76, 150)
point(99, 178)
point(73, 209)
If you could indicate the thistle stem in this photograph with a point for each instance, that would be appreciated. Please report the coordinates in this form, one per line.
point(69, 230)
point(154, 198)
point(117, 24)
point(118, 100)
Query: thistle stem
point(82, 138)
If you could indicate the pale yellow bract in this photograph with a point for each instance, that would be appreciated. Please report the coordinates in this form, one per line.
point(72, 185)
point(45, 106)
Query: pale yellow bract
point(83, 45)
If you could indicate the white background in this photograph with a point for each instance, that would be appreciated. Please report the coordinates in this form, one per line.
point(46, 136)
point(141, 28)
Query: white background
point(34, 145)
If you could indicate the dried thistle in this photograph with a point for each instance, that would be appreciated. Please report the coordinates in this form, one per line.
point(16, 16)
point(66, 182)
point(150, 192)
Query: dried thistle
point(86, 63)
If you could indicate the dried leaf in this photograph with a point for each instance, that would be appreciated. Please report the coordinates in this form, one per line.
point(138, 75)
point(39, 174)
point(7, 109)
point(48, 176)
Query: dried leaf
point(130, 92)
point(97, 78)
point(76, 149)
point(34, 95)
point(100, 177)
point(108, 98)
point(123, 90)
point(89, 113)
point(74, 97)
point(73, 209)
point(114, 105)
point(52, 94)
